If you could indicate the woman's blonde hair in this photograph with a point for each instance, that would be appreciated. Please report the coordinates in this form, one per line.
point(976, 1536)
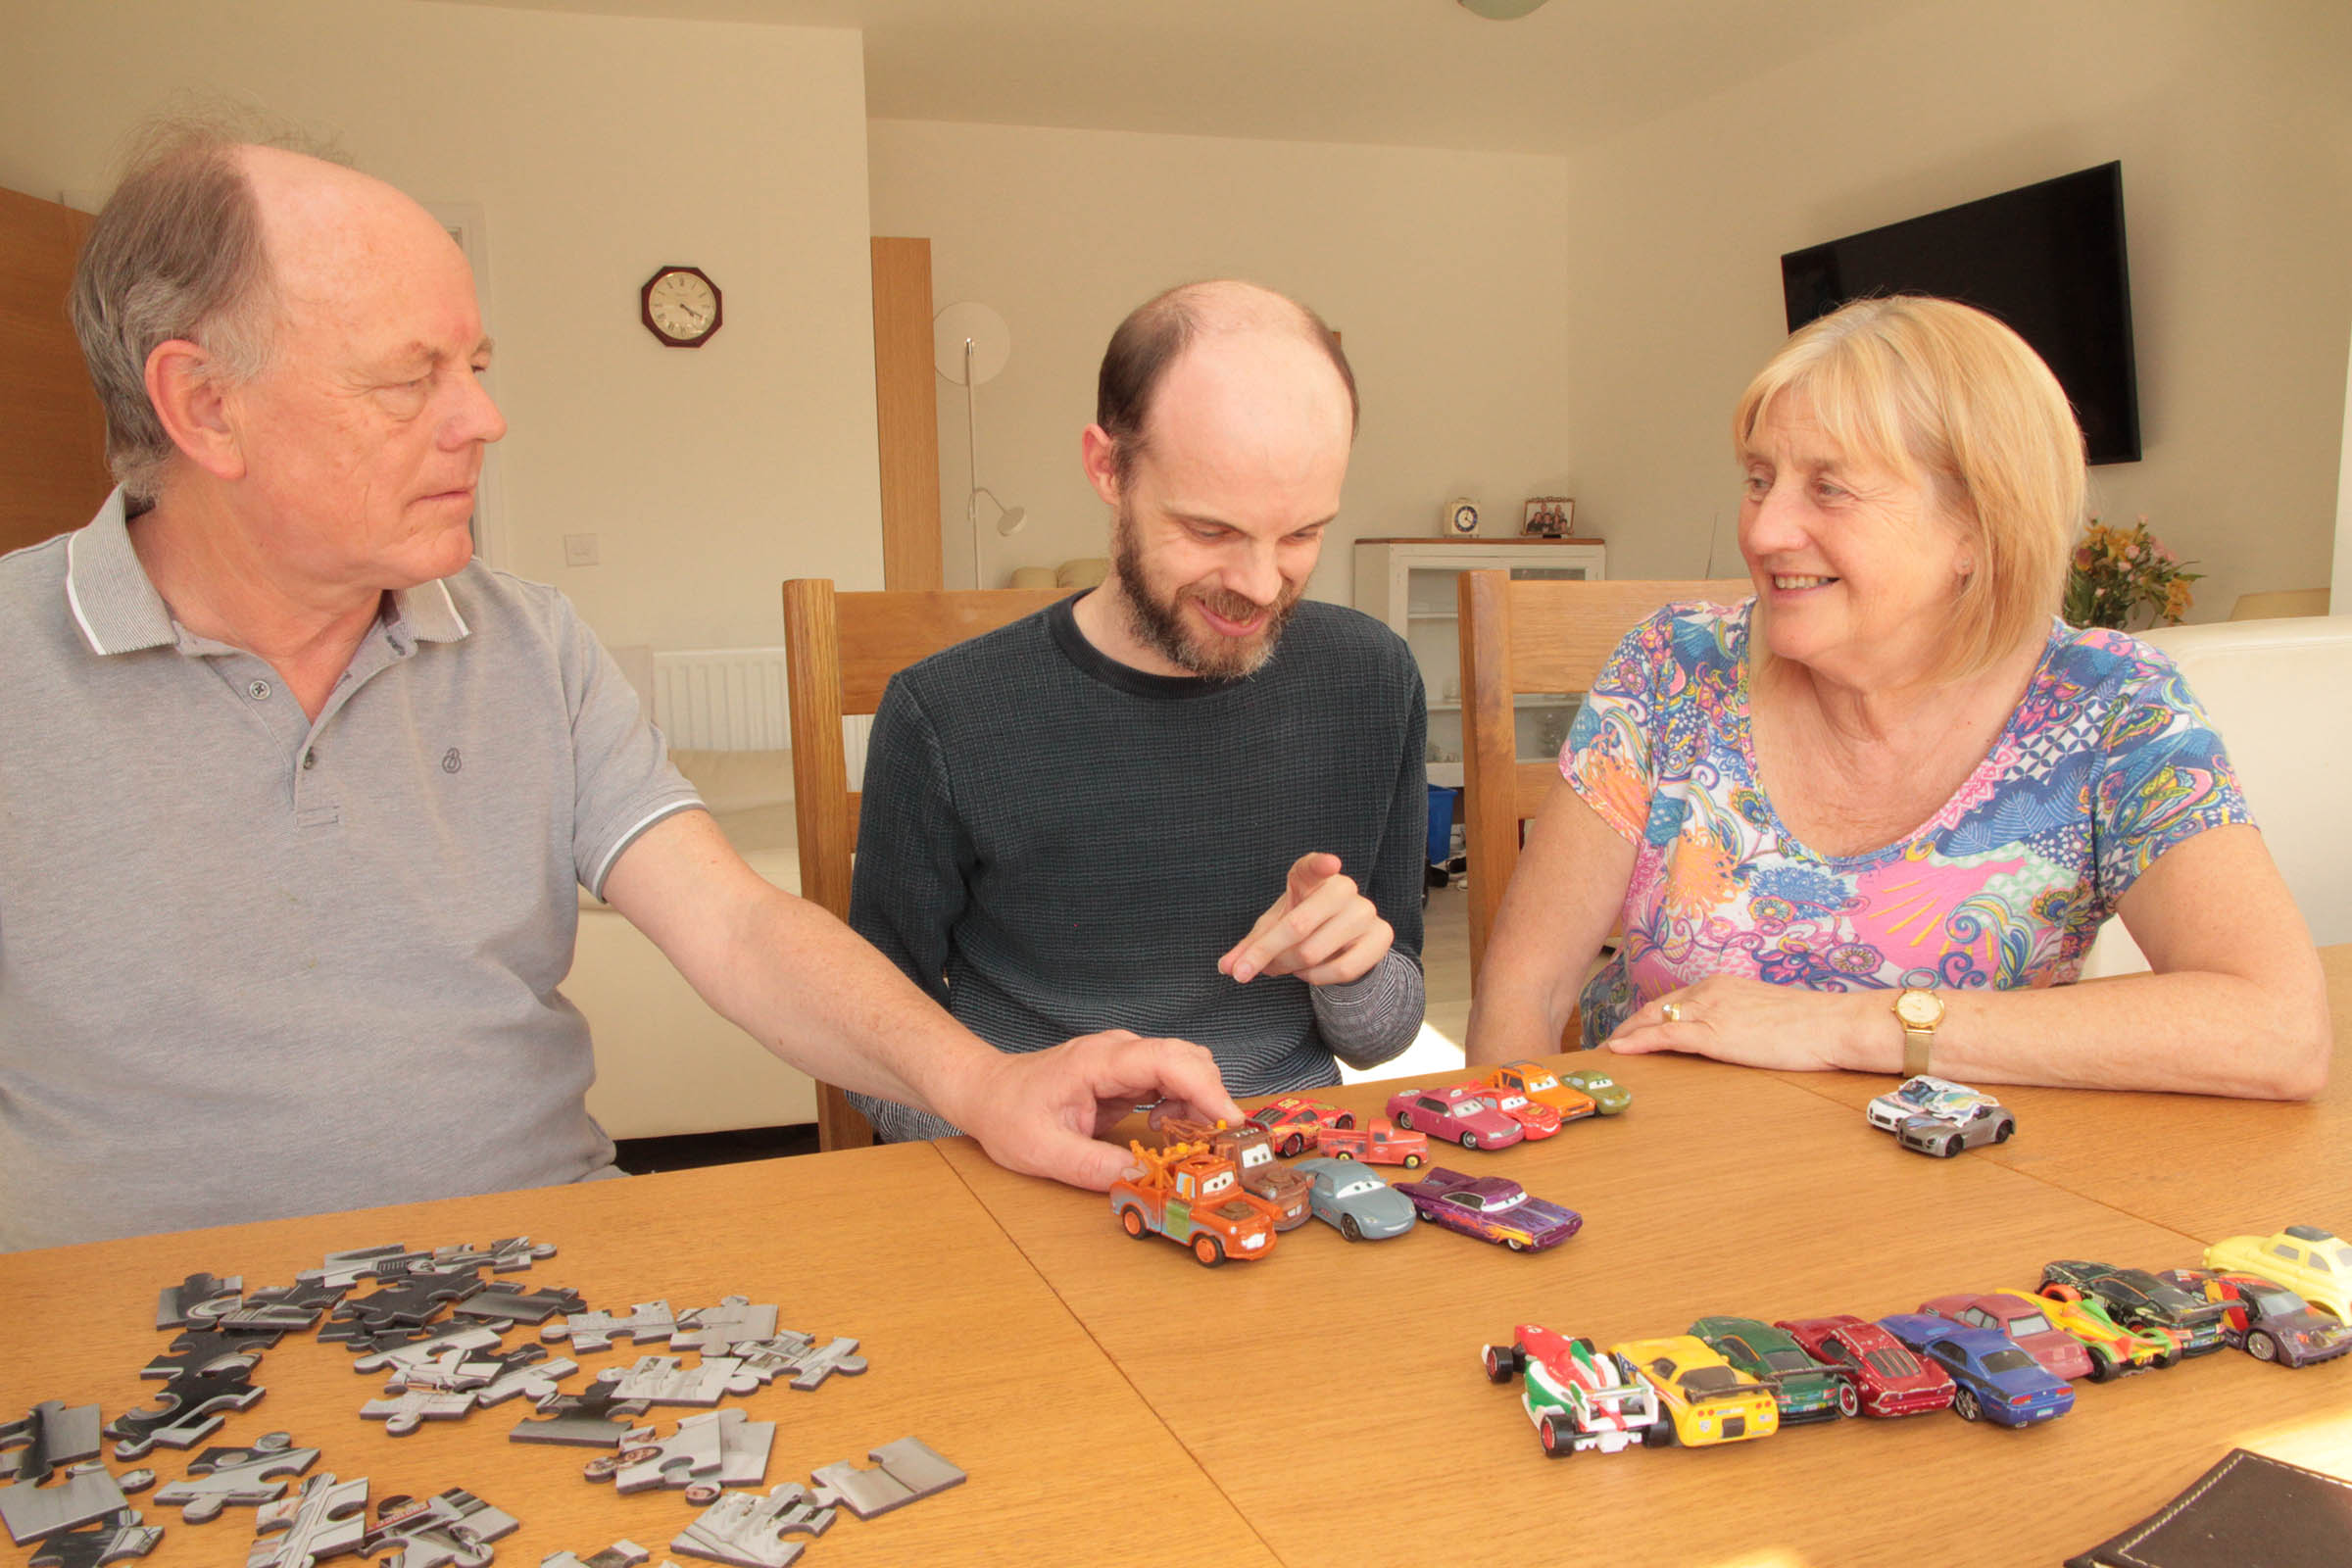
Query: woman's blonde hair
point(1935, 388)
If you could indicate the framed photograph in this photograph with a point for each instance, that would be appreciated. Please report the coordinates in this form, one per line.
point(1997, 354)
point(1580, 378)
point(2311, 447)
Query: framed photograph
point(1548, 518)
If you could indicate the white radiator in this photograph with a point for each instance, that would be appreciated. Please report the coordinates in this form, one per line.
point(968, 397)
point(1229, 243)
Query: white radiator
point(733, 700)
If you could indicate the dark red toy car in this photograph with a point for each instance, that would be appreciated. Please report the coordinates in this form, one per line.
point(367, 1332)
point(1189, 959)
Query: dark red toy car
point(1889, 1379)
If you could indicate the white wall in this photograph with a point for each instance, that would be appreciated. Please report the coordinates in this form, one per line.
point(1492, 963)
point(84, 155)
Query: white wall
point(1443, 272)
point(2235, 127)
point(599, 148)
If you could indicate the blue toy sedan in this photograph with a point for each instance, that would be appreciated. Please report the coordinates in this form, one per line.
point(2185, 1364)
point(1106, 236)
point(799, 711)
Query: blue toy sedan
point(1997, 1380)
point(1360, 1204)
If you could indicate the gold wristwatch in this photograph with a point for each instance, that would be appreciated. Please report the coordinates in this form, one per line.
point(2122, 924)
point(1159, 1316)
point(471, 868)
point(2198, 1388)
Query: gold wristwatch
point(1919, 1009)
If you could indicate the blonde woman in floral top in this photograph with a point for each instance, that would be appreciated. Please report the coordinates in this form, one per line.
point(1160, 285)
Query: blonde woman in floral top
point(1896, 770)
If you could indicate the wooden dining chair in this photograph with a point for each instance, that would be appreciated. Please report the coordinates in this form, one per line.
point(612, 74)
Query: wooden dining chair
point(840, 651)
point(1523, 636)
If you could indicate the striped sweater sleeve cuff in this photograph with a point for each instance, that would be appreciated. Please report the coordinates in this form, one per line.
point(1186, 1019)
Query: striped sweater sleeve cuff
point(1364, 1022)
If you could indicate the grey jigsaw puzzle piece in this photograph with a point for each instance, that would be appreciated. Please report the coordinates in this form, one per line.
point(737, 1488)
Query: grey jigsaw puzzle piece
point(506, 1304)
point(720, 1447)
point(49, 1434)
point(403, 1415)
point(595, 1418)
point(668, 1380)
point(508, 1254)
point(717, 1330)
point(747, 1531)
point(399, 1360)
point(244, 1477)
point(409, 1301)
point(273, 1310)
point(325, 1519)
point(117, 1537)
point(809, 1362)
point(174, 1303)
point(453, 1527)
point(347, 1268)
point(536, 1381)
point(187, 1408)
point(87, 1494)
point(906, 1471)
point(596, 1331)
point(199, 1349)
point(619, 1554)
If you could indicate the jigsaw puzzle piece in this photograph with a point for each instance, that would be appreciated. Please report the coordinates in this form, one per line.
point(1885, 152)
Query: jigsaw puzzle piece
point(117, 1537)
point(619, 1554)
point(451, 1528)
point(245, 1478)
point(505, 1303)
point(906, 1471)
point(596, 1331)
point(717, 1330)
point(595, 1418)
point(174, 1303)
point(187, 1408)
point(49, 1434)
point(325, 1519)
point(31, 1511)
point(747, 1531)
point(403, 1415)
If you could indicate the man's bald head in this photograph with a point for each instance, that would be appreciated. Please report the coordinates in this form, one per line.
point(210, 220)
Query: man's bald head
point(191, 247)
point(1157, 334)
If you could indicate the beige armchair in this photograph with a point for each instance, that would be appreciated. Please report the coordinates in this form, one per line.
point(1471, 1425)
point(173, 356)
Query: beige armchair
point(2276, 690)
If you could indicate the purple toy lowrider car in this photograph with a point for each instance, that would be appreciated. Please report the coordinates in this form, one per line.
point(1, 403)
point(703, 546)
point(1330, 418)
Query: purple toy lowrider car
point(1491, 1209)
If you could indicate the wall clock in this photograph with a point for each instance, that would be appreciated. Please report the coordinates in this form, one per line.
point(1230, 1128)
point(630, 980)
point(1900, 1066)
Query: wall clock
point(680, 306)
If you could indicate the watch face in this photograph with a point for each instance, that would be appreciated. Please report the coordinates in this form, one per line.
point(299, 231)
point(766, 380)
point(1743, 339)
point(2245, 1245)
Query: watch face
point(1919, 1009)
point(682, 306)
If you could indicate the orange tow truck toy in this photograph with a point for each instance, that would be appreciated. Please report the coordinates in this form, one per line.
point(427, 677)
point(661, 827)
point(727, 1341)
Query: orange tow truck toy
point(1195, 1199)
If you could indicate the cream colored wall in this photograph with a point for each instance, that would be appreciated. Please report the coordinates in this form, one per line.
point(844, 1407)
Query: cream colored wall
point(1442, 271)
point(598, 148)
point(2235, 127)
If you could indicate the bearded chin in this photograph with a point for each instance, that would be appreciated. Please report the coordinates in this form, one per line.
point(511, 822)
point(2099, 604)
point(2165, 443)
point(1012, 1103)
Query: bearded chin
point(1157, 621)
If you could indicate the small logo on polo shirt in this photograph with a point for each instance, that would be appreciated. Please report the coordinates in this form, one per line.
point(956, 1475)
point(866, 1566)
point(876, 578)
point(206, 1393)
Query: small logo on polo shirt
point(450, 762)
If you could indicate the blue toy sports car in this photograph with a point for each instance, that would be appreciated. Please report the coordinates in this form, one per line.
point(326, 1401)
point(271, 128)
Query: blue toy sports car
point(1997, 1380)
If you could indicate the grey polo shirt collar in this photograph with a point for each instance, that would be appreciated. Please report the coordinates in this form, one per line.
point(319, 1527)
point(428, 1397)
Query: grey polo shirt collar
point(119, 611)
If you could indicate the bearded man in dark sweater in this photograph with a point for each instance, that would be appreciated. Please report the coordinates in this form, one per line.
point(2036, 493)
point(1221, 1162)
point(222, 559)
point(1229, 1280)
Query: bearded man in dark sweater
point(1189, 802)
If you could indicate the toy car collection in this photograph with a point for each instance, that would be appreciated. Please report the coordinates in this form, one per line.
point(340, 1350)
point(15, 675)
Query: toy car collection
point(2308, 1260)
point(2267, 1321)
point(1381, 1143)
point(1888, 1380)
point(1192, 1198)
point(1539, 1084)
point(1937, 1116)
point(1706, 1398)
point(1579, 1396)
point(1492, 1209)
point(1353, 1201)
point(2138, 1299)
point(1997, 1380)
point(1294, 1122)
point(2021, 1317)
point(2115, 1351)
point(1457, 1115)
point(1802, 1388)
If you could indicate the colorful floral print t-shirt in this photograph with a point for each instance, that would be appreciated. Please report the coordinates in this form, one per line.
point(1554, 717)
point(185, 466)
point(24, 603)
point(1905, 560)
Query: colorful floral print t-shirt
point(2107, 762)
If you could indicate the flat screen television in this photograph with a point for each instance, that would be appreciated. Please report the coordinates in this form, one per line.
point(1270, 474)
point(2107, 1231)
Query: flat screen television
point(2046, 258)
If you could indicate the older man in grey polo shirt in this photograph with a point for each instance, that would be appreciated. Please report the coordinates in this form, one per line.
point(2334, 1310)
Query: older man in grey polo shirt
point(294, 795)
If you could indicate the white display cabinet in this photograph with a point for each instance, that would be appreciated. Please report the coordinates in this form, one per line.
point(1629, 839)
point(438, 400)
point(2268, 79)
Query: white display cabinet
point(1410, 584)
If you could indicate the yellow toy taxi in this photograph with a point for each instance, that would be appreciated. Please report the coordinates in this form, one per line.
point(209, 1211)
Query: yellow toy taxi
point(2305, 1258)
point(1706, 1398)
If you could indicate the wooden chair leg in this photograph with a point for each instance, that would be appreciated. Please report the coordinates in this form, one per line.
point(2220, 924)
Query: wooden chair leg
point(840, 1124)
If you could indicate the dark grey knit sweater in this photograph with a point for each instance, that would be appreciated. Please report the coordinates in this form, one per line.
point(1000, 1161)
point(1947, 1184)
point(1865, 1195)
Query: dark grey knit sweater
point(1052, 843)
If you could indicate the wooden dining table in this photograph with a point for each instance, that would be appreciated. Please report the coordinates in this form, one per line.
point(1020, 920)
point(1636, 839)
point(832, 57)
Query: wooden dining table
point(1113, 1402)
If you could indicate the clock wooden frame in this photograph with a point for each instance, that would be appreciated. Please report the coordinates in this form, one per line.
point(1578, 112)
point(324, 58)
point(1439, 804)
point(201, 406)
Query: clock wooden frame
point(644, 308)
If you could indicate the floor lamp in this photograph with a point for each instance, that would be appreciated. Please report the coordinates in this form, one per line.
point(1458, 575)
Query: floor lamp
point(969, 344)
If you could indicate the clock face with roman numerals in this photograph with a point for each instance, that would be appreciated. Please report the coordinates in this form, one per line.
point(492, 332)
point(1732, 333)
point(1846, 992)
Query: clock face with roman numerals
point(680, 306)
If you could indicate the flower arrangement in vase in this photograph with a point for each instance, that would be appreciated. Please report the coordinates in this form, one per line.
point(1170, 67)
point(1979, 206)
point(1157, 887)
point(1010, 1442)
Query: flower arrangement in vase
point(2118, 573)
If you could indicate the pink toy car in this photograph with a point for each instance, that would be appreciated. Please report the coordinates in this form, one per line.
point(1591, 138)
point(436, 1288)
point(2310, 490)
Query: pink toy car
point(1457, 1115)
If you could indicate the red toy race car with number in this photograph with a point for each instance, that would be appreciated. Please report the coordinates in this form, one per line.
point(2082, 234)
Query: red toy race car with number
point(1295, 1124)
point(1889, 1379)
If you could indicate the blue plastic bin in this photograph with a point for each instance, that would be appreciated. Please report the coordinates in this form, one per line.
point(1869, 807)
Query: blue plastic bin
point(1441, 824)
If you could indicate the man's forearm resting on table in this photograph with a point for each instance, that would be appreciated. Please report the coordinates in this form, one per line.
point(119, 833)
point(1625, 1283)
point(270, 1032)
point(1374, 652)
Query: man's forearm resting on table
point(1369, 1020)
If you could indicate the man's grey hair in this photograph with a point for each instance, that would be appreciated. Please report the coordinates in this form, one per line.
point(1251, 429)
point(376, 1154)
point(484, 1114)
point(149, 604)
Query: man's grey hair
point(177, 253)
